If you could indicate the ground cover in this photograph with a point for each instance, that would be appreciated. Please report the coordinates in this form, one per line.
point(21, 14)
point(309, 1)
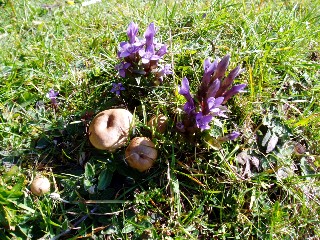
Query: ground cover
point(58, 70)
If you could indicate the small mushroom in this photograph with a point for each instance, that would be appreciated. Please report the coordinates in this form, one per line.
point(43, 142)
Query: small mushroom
point(159, 123)
point(40, 185)
point(141, 153)
point(109, 129)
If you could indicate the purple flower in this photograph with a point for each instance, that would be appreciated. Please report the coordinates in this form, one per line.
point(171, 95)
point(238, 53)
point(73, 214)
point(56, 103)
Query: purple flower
point(209, 69)
point(149, 35)
point(142, 54)
point(234, 90)
point(148, 55)
point(122, 67)
point(185, 89)
point(222, 67)
point(52, 95)
point(213, 82)
point(127, 49)
point(117, 88)
point(132, 32)
point(133, 46)
point(166, 70)
point(215, 108)
point(213, 88)
point(226, 83)
point(230, 137)
point(214, 102)
point(162, 51)
point(203, 121)
point(189, 107)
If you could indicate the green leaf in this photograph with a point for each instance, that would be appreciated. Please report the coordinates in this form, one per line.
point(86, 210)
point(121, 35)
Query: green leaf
point(87, 183)
point(89, 171)
point(104, 179)
point(3, 236)
point(266, 138)
point(176, 192)
point(128, 228)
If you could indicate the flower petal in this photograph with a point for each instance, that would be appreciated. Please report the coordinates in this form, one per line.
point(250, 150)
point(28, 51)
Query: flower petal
point(226, 83)
point(222, 67)
point(132, 32)
point(203, 121)
point(162, 51)
point(209, 69)
point(149, 34)
point(234, 90)
point(185, 88)
point(213, 88)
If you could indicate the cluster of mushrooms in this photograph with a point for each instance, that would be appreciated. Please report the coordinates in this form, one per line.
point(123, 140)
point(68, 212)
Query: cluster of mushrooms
point(109, 130)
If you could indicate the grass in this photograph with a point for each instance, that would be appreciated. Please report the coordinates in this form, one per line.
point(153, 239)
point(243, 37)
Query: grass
point(194, 190)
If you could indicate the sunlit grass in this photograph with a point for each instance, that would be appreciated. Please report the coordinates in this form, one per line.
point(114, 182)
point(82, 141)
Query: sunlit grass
point(194, 190)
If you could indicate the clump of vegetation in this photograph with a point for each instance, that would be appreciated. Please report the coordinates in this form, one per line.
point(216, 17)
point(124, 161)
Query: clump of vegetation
point(190, 157)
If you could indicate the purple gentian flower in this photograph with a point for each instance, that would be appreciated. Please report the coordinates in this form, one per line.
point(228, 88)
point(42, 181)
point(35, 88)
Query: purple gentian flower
point(133, 46)
point(214, 106)
point(234, 90)
point(213, 88)
point(132, 32)
point(189, 107)
point(203, 121)
point(149, 34)
point(142, 54)
point(222, 67)
point(209, 69)
point(230, 137)
point(52, 95)
point(117, 88)
point(162, 51)
point(148, 55)
point(226, 83)
point(127, 49)
point(185, 89)
point(122, 67)
point(166, 70)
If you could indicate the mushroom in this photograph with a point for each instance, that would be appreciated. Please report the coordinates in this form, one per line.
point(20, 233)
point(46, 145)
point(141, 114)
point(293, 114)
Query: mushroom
point(159, 123)
point(141, 153)
point(40, 185)
point(109, 129)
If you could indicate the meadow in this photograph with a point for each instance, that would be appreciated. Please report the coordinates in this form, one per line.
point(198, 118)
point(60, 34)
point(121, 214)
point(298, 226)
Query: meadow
point(246, 169)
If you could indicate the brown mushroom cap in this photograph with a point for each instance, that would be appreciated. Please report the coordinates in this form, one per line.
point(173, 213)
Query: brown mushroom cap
point(40, 185)
point(109, 129)
point(141, 153)
point(159, 122)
